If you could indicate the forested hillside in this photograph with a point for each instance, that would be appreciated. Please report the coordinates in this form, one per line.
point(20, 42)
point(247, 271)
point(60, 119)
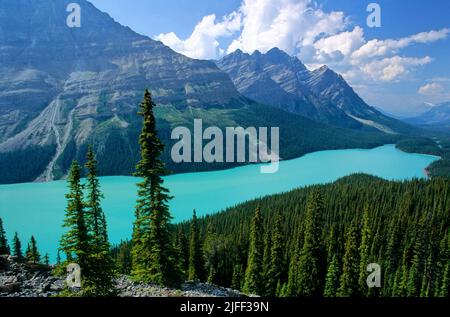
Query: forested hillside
point(438, 146)
point(319, 240)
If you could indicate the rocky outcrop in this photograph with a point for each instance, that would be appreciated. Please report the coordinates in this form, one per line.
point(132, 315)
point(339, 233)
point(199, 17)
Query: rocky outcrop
point(27, 280)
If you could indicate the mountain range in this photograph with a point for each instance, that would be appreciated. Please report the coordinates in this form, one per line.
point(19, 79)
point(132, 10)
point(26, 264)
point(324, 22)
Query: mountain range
point(437, 116)
point(63, 88)
point(283, 81)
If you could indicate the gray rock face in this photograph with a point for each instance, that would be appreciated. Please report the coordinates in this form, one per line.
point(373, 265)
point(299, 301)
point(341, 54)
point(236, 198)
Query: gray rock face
point(60, 87)
point(21, 280)
point(279, 80)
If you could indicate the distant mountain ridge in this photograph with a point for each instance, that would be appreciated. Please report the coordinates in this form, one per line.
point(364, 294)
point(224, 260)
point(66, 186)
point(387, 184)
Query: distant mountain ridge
point(280, 80)
point(437, 115)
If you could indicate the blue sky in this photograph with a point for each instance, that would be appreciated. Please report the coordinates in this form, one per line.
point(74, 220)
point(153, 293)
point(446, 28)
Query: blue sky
point(397, 67)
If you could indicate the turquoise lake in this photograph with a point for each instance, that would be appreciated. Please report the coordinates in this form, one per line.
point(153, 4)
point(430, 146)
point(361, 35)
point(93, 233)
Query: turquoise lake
point(38, 208)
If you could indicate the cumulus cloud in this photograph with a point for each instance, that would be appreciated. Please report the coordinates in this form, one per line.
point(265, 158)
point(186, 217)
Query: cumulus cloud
point(431, 89)
point(392, 68)
point(302, 28)
point(341, 44)
point(376, 48)
point(286, 24)
point(203, 42)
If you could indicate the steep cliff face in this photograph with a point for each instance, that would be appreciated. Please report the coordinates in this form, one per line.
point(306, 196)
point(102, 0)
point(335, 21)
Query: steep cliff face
point(61, 86)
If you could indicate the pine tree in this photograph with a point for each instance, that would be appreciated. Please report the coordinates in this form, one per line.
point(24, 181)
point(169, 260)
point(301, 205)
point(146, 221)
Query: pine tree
point(152, 249)
point(312, 258)
point(364, 253)
point(253, 273)
point(123, 258)
point(211, 253)
point(32, 254)
point(17, 248)
point(4, 247)
point(238, 277)
point(350, 269)
point(75, 241)
point(182, 250)
point(418, 261)
point(195, 271)
point(46, 259)
point(332, 278)
point(101, 274)
point(276, 263)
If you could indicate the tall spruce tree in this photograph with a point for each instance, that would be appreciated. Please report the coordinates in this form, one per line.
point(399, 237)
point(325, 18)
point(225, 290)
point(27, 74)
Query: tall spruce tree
point(364, 250)
point(4, 247)
point(101, 275)
point(350, 268)
point(332, 278)
point(17, 248)
point(253, 273)
point(276, 264)
point(312, 259)
point(32, 254)
point(152, 248)
point(75, 240)
point(195, 271)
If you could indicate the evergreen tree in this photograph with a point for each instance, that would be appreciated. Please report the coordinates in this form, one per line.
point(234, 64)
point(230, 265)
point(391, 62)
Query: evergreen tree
point(182, 249)
point(100, 281)
point(332, 278)
point(211, 252)
point(46, 259)
point(17, 248)
point(364, 249)
point(195, 271)
point(123, 258)
point(350, 269)
point(152, 252)
point(253, 273)
point(238, 277)
point(418, 261)
point(32, 254)
point(311, 260)
point(4, 247)
point(276, 263)
point(75, 241)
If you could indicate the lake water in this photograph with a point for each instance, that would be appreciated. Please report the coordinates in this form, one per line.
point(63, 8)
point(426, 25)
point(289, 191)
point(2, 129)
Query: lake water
point(38, 208)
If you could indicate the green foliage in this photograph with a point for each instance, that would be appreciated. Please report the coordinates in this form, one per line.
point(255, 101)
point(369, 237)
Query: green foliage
point(15, 167)
point(311, 260)
point(4, 247)
point(17, 248)
point(402, 226)
point(152, 253)
point(32, 254)
point(195, 271)
point(253, 273)
point(276, 264)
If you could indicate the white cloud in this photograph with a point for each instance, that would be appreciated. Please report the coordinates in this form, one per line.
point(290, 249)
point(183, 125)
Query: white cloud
point(286, 24)
point(431, 89)
point(304, 29)
point(341, 44)
point(376, 48)
point(203, 42)
point(392, 68)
